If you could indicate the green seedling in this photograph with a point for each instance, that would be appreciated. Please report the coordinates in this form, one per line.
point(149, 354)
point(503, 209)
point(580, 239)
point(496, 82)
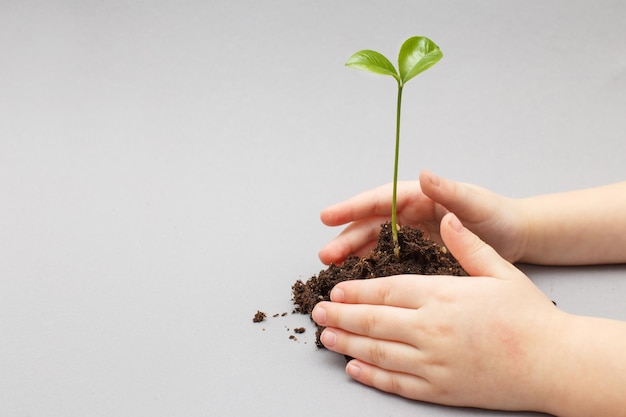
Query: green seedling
point(417, 54)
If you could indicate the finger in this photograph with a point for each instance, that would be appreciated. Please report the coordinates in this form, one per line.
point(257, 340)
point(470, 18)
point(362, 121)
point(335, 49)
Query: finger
point(356, 239)
point(385, 354)
point(400, 383)
point(471, 203)
point(378, 322)
point(376, 202)
point(403, 291)
point(474, 255)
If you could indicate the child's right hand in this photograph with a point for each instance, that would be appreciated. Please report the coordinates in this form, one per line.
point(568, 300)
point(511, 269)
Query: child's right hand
point(498, 220)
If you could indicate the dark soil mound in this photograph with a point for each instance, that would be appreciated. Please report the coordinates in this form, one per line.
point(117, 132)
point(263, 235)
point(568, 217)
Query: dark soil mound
point(418, 255)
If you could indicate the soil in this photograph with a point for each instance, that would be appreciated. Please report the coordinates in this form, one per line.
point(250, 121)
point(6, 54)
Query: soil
point(418, 255)
point(259, 316)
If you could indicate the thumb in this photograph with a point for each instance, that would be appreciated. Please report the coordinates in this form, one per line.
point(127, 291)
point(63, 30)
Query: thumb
point(474, 255)
point(471, 203)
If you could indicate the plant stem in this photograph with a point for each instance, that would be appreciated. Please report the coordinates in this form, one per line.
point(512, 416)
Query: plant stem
point(394, 215)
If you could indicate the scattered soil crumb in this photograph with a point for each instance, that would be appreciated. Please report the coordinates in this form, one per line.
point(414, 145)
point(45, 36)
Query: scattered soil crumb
point(299, 330)
point(258, 317)
point(284, 314)
point(292, 337)
point(275, 315)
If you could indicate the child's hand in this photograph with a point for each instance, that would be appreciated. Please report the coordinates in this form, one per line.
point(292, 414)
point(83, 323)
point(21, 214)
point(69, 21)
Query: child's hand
point(496, 219)
point(481, 341)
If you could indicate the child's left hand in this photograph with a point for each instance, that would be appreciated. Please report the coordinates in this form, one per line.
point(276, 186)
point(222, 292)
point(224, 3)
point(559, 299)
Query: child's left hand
point(481, 341)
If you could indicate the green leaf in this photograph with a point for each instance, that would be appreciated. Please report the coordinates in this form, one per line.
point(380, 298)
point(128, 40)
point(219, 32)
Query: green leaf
point(417, 54)
point(372, 61)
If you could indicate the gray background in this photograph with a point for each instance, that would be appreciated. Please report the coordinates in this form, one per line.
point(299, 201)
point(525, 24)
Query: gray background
point(145, 147)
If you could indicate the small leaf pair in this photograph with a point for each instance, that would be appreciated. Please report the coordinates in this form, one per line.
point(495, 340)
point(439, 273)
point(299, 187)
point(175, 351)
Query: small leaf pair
point(417, 54)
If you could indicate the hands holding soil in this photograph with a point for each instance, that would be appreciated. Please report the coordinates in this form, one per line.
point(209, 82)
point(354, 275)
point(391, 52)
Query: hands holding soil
point(493, 217)
point(491, 340)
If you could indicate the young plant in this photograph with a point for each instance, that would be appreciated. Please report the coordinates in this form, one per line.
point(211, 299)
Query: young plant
point(417, 54)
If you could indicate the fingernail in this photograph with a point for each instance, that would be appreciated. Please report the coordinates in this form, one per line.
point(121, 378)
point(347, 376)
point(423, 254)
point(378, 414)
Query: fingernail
point(434, 180)
point(454, 223)
point(337, 295)
point(319, 315)
point(353, 370)
point(328, 338)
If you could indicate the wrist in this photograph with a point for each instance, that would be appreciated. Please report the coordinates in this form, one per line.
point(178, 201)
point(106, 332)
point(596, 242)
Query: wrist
point(526, 230)
point(552, 380)
point(539, 232)
point(587, 369)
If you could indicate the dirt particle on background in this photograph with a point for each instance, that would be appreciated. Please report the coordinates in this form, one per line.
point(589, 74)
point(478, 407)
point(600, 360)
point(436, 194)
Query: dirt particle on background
point(259, 316)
